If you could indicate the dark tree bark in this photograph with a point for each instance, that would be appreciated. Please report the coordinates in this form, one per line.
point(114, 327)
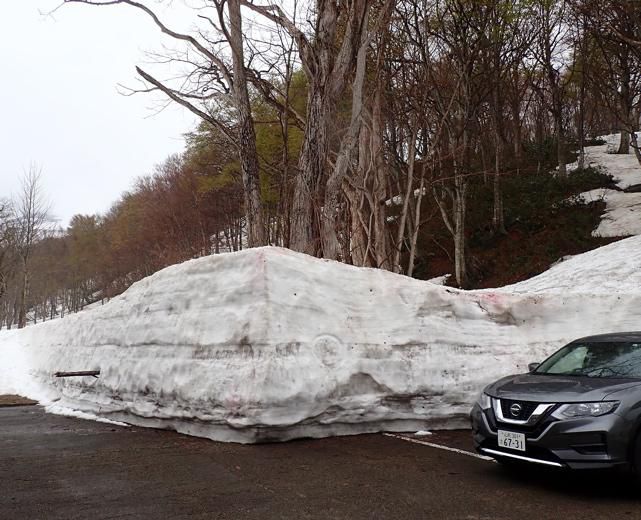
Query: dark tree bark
point(328, 60)
point(256, 229)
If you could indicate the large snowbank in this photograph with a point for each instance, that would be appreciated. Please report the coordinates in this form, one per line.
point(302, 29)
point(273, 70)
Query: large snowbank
point(268, 344)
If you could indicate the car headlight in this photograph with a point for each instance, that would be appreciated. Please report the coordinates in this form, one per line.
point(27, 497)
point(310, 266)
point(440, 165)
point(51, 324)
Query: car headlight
point(585, 409)
point(484, 401)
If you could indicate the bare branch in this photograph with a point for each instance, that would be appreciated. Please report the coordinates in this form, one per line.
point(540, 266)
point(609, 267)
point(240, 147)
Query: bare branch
point(181, 101)
point(275, 14)
point(178, 36)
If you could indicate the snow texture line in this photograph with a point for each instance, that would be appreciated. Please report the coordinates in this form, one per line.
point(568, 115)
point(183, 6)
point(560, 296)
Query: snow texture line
point(440, 447)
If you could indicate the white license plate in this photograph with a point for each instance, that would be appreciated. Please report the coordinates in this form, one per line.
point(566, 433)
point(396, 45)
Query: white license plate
point(512, 440)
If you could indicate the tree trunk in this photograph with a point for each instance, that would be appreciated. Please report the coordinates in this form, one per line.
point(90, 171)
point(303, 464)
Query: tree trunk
point(460, 264)
point(626, 109)
point(328, 68)
point(357, 236)
point(583, 52)
point(329, 223)
point(417, 223)
point(400, 232)
point(516, 120)
point(284, 211)
point(624, 143)
point(635, 146)
point(304, 226)
point(247, 137)
point(581, 158)
point(498, 223)
point(554, 83)
point(3, 285)
point(560, 147)
point(460, 208)
point(367, 190)
point(22, 309)
point(379, 191)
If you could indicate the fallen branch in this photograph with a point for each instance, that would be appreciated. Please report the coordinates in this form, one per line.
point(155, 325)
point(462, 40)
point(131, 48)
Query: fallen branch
point(94, 373)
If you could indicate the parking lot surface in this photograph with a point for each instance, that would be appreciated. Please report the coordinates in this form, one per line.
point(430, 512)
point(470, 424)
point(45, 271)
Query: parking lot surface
point(55, 467)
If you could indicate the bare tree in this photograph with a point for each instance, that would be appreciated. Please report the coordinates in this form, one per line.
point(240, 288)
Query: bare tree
point(552, 46)
point(610, 26)
point(31, 216)
point(509, 37)
point(459, 39)
point(6, 214)
point(211, 79)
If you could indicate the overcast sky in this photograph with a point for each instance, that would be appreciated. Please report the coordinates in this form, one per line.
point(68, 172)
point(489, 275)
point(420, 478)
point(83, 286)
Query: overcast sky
point(61, 108)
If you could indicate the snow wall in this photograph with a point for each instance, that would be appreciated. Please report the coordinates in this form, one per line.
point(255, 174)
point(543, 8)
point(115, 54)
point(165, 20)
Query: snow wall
point(267, 344)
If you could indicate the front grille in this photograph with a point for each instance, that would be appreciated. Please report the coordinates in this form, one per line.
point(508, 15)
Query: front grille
point(526, 409)
point(531, 431)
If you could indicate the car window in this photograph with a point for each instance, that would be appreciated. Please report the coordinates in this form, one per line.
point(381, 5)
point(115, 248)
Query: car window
point(573, 360)
point(620, 359)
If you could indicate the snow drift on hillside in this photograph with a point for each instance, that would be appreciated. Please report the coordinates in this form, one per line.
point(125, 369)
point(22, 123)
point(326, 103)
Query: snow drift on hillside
point(624, 168)
point(268, 344)
point(622, 216)
point(608, 270)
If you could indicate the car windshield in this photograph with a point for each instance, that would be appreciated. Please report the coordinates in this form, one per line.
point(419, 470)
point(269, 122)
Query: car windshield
point(609, 359)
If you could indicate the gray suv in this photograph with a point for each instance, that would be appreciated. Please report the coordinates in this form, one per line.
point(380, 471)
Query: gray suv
point(580, 408)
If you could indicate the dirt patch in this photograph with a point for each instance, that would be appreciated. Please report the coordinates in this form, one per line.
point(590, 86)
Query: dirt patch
point(15, 400)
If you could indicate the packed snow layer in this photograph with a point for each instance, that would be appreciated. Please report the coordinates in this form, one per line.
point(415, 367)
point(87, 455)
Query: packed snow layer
point(268, 344)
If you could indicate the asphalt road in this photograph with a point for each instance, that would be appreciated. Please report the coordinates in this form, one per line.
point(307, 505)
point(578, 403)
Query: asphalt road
point(60, 468)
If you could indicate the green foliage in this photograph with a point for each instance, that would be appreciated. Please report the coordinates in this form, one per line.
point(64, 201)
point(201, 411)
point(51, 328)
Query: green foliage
point(528, 199)
point(211, 154)
point(270, 141)
point(544, 222)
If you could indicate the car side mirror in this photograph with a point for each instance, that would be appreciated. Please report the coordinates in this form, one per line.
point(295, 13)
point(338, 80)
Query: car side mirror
point(533, 366)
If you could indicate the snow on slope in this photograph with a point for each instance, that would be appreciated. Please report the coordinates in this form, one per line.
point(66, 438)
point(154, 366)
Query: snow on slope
point(624, 168)
point(268, 344)
point(622, 215)
point(609, 270)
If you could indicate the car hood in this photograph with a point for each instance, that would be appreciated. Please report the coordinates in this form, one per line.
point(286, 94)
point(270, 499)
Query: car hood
point(557, 389)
